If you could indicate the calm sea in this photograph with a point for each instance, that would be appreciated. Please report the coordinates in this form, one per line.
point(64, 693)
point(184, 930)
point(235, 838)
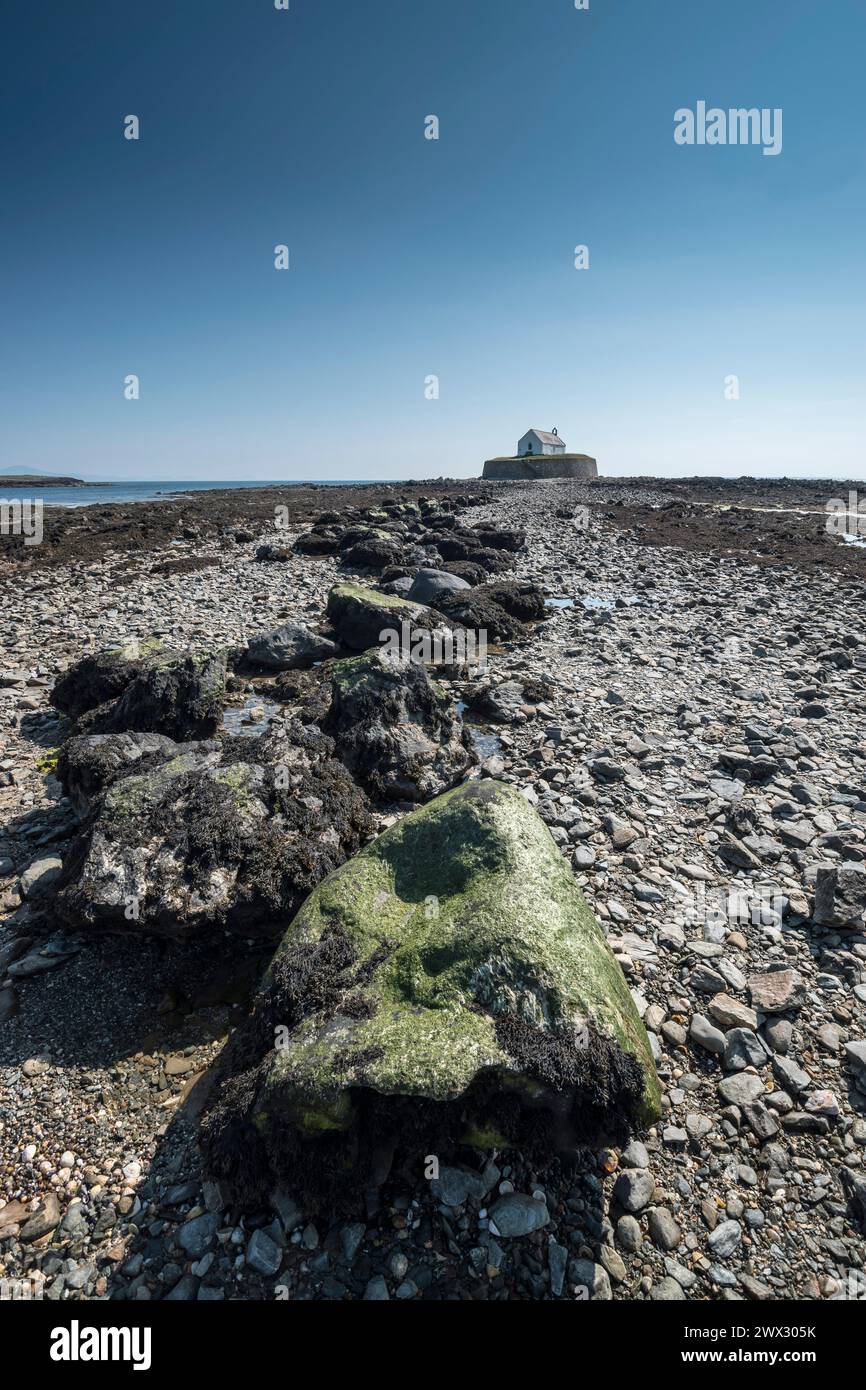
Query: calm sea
point(163, 490)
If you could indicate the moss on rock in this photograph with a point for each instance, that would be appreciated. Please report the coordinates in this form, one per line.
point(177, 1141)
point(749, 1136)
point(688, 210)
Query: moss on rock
point(358, 614)
point(474, 985)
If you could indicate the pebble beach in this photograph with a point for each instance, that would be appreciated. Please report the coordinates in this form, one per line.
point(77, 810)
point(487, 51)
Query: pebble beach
point(688, 719)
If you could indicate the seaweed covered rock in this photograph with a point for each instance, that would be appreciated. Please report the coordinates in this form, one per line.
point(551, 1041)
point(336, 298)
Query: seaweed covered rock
point(449, 545)
point(474, 610)
point(101, 677)
point(448, 986)
point(305, 695)
point(359, 615)
point(280, 554)
point(317, 542)
point(373, 552)
point(235, 833)
point(494, 537)
point(466, 569)
point(89, 764)
point(179, 696)
point(396, 733)
point(519, 598)
point(492, 560)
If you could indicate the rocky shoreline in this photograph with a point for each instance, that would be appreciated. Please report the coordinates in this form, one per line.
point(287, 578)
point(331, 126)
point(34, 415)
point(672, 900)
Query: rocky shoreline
point(684, 711)
point(36, 480)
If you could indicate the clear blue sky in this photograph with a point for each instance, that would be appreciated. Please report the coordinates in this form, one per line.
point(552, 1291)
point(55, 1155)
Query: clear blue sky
point(412, 257)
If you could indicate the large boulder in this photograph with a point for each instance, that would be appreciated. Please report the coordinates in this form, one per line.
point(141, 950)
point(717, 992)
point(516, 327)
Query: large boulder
point(395, 732)
point(448, 986)
point(179, 696)
point(400, 587)
point(429, 586)
point(360, 615)
point(101, 677)
point(288, 648)
point(235, 833)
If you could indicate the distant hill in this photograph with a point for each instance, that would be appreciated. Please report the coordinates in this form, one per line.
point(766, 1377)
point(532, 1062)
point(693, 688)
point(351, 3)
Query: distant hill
point(16, 479)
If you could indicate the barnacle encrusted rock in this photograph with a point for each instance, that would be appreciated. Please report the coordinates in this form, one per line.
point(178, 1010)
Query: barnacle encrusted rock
point(447, 985)
point(232, 832)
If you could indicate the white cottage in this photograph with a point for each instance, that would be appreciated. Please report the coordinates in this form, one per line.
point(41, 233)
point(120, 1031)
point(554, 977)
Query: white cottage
point(540, 442)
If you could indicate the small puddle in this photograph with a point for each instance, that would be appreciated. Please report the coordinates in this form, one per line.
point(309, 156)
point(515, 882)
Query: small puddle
point(559, 603)
point(594, 604)
point(485, 743)
point(237, 720)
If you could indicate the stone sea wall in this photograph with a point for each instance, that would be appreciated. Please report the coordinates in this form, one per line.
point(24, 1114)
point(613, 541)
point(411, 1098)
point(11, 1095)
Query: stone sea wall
point(545, 466)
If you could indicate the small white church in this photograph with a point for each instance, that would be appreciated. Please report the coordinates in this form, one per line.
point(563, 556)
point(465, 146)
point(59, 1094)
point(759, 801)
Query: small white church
point(541, 454)
point(540, 442)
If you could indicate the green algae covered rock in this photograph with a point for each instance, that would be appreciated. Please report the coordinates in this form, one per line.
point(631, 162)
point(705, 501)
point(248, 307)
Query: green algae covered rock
point(449, 985)
point(359, 615)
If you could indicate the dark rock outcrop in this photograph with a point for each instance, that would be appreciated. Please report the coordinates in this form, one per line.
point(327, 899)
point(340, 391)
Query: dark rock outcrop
point(179, 696)
point(278, 553)
point(471, 609)
point(492, 537)
point(518, 598)
point(100, 677)
point(372, 553)
point(234, 833)
point(317, 542)
point(395, 732)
